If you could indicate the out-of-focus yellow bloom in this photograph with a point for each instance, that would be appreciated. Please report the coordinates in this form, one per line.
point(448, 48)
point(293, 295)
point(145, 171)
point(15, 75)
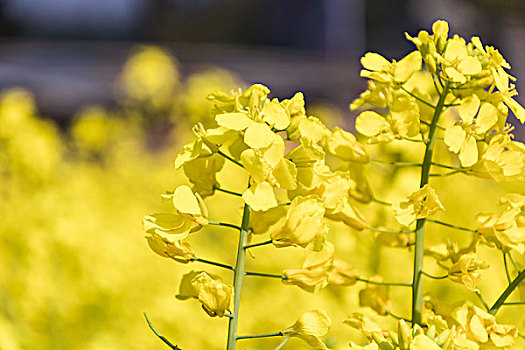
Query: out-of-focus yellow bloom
point(177, 250)
point(375, 127)
point(260, 197)
point(261, 221)
point(150, 76)
point(170, 226)
point(342, 274)
point(214, 295)
point(477, 119)
point(376, 297)
point(420, 204)
point(316, 271)
point(310, 327)
point(363, 323)
point(481, 327)
point(189, 204)
point(502, 159)
point(506, 230)
point(371, 346)
point(467, 270)
point(304, 223)
point(376, 67)
point(343, 145)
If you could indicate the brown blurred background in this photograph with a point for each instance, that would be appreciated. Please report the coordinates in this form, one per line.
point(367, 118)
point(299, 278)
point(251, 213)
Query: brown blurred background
point(68, 52)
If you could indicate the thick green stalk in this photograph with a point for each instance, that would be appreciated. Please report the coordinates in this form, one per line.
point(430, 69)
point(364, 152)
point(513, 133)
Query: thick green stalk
point(506, 293)
point(238, 278)
point(417, 281)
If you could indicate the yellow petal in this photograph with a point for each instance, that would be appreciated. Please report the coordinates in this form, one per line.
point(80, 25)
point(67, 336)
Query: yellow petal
point(275, 115)
point(469, 108)
point(258, 135)
point(185, 201)
point(234, 121)
point(371, 124)
point(404, 69)
point(454, 138)
point(285, 173)
point(455, 76)
point(255, 164)
point(313, 129)
point(310, 327)
point(405, 114)
point(486, 119)
point(260, 197)
point(468, 156)
point(375, 62)
point(469, 66)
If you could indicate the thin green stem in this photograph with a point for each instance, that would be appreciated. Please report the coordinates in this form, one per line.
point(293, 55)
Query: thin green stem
point(428, 124)
point(480, 297)
point(260, 274)
point(414, 140)
point(447, 174)
point(378, 201)
point(434, 277)
point(506, 267)
point(417, 281)
point(395, 284)
point(451, 226)
point(238, 278)
point(209, 262)
point(418, 98)
point(280, 346)
point(451, 167)
point(225, 224)
point(514, 263)
point(228, 192)
point(515, 303)
point(388, 231)
point(389, 313)
point(267, 335)
point(506, 293)
point(435, 85)
point(161, 337)
point(284, 204)
point(398, 164)
point(258, 244)
point(230, 158)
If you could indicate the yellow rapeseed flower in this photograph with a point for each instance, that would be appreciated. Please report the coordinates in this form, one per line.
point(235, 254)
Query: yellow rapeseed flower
point(310, 327)
point(214, 295)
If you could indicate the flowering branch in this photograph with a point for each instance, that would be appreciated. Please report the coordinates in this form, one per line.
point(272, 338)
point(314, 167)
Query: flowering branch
point(224, 224)
point(258, 244)
point(395, 284)
point(161, 337)
point(452, 226)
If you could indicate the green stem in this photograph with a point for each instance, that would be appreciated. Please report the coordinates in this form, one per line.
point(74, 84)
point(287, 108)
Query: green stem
point(209, 262)
point(258, 244)
point(224, 224)
point(398, 164)
point(161, 337)
point(260, 274)
point(452, 167)
point(418, 98)
point(389, 313)
point(378, 201)
point(514, 263)
point(437, 125)
point(506, 293)
point(280, 346)
point(238, 278)
point(447, 174)
point(252, 336)
point(515, 303)
point(478, 293)
point(506, 267)
point(417, 281)
point(434, 277)
point(284, 204)
point(230, 158)
point(395, 284)
point(451, 226)
point(229, 192)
